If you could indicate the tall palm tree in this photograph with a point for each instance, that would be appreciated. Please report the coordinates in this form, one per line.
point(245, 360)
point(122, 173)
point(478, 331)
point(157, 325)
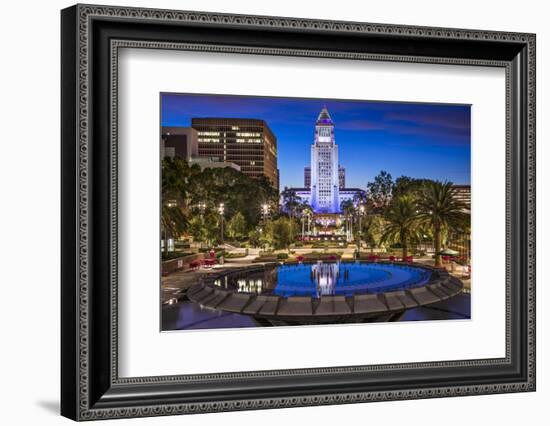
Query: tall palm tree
point(348, 209)
point(373, 227)
point(291, 201)
point(305, 212)
point(401, 222)
point(440, 210)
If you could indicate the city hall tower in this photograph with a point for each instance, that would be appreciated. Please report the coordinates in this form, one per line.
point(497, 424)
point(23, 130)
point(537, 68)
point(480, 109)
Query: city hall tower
point(324, 167)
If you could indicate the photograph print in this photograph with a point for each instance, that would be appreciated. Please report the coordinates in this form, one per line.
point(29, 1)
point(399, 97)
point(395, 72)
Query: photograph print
point(299, 211)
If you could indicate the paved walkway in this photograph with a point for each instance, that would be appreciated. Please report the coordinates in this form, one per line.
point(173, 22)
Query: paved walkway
point(173, 284)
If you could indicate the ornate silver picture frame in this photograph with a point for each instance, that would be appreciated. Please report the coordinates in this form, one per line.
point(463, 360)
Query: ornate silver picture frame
point(91, 38)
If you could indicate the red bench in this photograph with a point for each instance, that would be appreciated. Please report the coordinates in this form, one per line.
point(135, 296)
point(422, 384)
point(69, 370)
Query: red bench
point(195, 264)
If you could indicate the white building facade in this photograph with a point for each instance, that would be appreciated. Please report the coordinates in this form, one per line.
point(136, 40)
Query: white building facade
point(324, 167)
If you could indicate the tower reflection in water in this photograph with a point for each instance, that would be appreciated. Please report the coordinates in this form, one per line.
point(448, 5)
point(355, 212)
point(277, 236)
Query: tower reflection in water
point(325, 276)
point(320, 279)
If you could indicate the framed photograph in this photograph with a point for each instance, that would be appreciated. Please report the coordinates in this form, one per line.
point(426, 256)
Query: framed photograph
point(263, 212)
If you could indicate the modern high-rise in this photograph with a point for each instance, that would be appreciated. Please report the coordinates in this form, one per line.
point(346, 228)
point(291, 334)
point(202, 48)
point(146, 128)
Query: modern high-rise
point(247, 142)
point(180, 142)
point(324, 166)
point(463, 193)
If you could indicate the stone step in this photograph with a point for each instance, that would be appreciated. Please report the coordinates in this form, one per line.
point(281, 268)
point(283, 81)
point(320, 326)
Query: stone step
point(332, 305)
point(295, 306)
point(368, 303)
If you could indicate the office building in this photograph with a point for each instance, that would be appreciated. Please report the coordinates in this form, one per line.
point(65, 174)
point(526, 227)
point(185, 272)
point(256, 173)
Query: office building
point(248, 143)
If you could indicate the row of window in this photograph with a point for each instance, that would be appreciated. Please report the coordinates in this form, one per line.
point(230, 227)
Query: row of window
point(239, 140)
point(232, 145)
point(224, 128)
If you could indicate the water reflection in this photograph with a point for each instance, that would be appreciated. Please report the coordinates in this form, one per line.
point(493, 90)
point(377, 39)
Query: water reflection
point(325, 276)
point(250, 286)
point(322, 279)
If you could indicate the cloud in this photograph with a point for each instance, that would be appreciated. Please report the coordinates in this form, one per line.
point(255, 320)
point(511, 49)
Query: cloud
point(441, 125)
point(440, 119)
point(361, 125)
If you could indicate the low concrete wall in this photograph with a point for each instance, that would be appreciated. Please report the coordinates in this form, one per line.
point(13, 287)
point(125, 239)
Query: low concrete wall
point(180, 263)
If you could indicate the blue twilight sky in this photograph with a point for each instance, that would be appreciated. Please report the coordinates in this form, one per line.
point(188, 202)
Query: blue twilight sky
point(412, 139)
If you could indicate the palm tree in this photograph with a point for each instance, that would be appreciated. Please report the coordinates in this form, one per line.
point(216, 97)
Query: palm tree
point(291, 201)
point(401, 222)
point(348, 209)
point(372, 228)
point(440, 210)
point(305, 211)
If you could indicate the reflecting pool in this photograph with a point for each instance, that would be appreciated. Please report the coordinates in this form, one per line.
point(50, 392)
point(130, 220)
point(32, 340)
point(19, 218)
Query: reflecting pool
point(323, 279)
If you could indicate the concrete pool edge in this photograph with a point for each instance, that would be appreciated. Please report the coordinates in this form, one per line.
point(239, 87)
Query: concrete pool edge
point(327, 308)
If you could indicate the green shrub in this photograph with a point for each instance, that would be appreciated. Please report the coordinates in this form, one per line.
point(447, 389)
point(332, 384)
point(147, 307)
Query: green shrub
point(282, 256)
point(234, 255)
point(174, 255)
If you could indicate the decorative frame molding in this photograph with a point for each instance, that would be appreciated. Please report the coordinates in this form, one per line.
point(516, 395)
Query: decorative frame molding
point(91, 37)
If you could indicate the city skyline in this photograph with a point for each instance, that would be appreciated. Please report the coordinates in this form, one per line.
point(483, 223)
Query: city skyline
point(401, 138)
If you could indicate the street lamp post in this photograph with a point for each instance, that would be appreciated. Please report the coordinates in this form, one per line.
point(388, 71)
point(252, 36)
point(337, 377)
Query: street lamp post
point(221, 210)
point(265, 212)
point(202, 208)
point(361, 211)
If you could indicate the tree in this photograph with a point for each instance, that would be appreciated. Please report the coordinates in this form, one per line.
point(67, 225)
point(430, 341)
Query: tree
point(236, 227)
point(440, 209)
point(347, 207)
point(372, 230)
point(348, 210)
point(175, 179)
point(380, 190)
point(290, 201)
point(266, 235)
point(205, 229)
point(305, 212)
point(186, 187)
point(401, 225)
point(359, 199)
point(255, 237)
point(405, 185)
point(174, 220)
point(284, 232)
